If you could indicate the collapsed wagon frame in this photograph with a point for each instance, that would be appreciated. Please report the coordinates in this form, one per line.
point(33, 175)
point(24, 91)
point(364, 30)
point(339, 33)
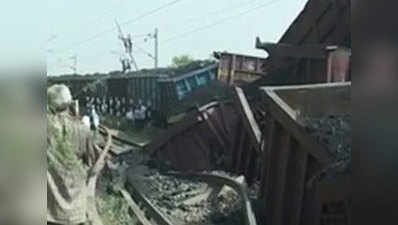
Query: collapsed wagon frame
point(278, 153)
point(292, 158)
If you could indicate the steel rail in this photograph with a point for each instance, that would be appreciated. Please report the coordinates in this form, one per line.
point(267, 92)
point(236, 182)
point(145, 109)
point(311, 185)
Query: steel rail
point(122, 140)
point(241, 189)
point(151, 212)
point(135, 199)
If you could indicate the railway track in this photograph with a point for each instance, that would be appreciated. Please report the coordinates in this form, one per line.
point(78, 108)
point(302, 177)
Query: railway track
point(102, 129)
point(220, 180)
point(140, 206)
point(148, 213)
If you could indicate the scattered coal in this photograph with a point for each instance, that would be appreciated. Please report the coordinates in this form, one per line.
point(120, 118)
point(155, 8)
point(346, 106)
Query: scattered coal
point(334, 133)
point(187, 200)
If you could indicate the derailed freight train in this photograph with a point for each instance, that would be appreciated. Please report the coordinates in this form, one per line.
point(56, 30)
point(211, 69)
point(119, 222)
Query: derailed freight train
point(164, 89)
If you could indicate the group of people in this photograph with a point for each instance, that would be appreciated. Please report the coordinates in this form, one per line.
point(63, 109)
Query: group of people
point(136, 113)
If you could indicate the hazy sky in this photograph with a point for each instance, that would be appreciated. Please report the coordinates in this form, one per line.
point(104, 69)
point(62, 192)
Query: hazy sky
point(195, 27)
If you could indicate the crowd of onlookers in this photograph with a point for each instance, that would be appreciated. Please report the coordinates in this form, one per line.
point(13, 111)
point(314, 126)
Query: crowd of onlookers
point(137, 113)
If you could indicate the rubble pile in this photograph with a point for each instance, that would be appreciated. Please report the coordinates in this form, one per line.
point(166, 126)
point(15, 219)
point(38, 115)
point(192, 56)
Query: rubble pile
point(188, 200)
point(334, 133)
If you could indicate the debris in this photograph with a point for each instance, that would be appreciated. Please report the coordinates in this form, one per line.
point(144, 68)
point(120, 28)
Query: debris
point(334, 133)
point(186, 200)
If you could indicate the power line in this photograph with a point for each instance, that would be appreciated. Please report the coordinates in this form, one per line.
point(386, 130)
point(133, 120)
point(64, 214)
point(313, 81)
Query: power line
point(217, 12)
point(144, 51)
point(103, 14)
point(151, 12)
point(140, 35)
point(218, 22)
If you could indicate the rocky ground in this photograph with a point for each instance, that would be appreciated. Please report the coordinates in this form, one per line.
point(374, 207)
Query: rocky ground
point(333, 132)
point(187, 201)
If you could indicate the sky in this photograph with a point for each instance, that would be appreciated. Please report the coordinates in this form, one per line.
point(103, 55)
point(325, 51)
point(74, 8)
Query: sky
point(87, 30)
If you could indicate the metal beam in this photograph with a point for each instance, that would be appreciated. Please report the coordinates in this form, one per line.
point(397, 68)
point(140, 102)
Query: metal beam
point(248, 118)
point(312, 51)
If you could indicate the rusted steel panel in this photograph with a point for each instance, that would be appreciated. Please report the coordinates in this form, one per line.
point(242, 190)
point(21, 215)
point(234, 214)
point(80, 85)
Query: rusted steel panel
point(138, 88)
point(295, 184)
point(252, 171)
point(223, 120)
point(202, 138)
point(316, 51)
point(239, 151)
point(117, 87)
point(338, 65)
point(248, 162)
point(214, 122)
point(321, 22)
point(272, 174)
point(173, 131)
point(311, 208)
point(236, 67)
point(248, 118)
point(203, 147)
point(239, 138)
point(303, 24)
point(335, 198)
point(267, 158)
point(282, 152)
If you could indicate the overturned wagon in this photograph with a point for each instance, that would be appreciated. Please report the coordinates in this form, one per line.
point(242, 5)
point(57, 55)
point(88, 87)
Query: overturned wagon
point(165, 89)
point(269, 143)
point(293, 161)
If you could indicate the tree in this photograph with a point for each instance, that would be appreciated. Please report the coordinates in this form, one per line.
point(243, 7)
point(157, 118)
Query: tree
point(182, 60)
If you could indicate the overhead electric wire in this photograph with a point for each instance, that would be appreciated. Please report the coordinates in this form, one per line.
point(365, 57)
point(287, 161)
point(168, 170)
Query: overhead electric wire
point(144, 51)
point(103, 14)
point(178, 36)
point(151, 12)
point(217, 12)
point(218, 22)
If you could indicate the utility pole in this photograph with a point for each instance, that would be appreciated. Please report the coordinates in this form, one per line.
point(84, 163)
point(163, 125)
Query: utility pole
point(156, 36)
point(155, 56)
point(128, 45)
point(74, 65)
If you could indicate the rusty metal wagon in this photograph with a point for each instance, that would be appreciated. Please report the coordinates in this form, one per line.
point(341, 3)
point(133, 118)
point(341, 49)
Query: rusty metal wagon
point(291, 157)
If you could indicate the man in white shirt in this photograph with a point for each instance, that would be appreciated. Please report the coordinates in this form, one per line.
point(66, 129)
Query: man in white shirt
point(130, 116)
point(94, 119)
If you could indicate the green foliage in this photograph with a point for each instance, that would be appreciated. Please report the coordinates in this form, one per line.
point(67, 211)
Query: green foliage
point(183, 60)
point(111, 205)
point(114, 209)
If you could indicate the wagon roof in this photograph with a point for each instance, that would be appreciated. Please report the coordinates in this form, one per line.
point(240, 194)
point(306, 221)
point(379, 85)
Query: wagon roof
point(167, 72)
